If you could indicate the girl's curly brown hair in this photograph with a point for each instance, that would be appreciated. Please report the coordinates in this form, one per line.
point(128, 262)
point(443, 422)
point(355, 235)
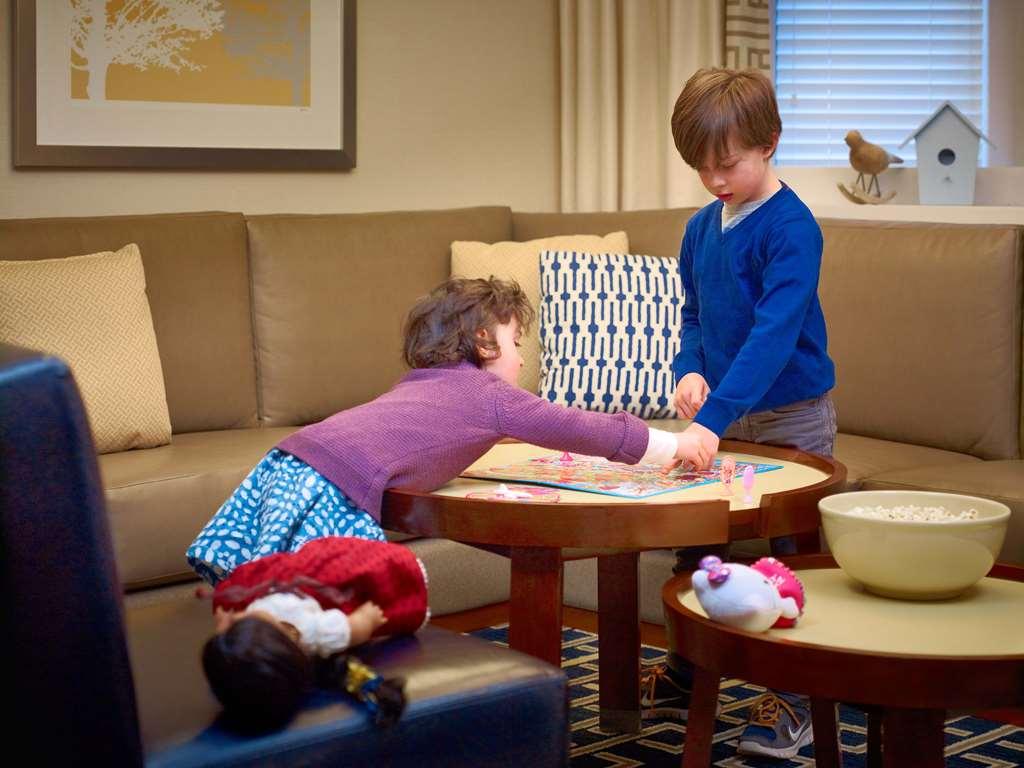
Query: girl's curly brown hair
point(445, 326)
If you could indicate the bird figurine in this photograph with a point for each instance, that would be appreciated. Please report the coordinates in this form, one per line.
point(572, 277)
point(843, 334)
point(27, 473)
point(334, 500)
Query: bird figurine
point(870, 159)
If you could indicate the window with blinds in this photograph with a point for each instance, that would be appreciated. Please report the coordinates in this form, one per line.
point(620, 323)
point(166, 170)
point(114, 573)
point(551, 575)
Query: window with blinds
point(877, 66)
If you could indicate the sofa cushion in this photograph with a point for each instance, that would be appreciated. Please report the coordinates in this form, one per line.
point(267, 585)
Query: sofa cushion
point(658, 233)
point(999, 480)
point(867, 456)
point(461, 577)
point(160, 498)
point(330, 296)
point(610, 326)
point(92, 311)
point(924, 325)
point(655, 568)
point(520, 262)
point(197, 281)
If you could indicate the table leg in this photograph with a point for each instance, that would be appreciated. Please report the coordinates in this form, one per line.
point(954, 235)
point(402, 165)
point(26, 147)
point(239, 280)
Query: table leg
point(826, 735)
point(912, 738)
point(805, 543)
point(700, 725)
point(874, 753)
point(618, 642)
point(535, 603)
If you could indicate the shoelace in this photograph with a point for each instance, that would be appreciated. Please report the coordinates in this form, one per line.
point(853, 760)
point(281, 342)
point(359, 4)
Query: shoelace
point(767, 709)
point(649, 681)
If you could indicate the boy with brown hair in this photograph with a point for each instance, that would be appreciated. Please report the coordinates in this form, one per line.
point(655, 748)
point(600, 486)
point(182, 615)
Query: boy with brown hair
point(754, 363)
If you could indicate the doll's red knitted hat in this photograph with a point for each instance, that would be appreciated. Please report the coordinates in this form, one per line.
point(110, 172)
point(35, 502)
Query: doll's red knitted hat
point(339, 572)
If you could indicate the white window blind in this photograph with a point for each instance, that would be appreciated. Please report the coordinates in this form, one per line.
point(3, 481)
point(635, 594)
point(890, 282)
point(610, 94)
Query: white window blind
point(877, 66)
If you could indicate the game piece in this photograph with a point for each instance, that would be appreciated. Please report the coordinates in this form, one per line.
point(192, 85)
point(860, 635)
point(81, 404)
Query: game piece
point(566, 458)
point(727, 472)
point(748, 483)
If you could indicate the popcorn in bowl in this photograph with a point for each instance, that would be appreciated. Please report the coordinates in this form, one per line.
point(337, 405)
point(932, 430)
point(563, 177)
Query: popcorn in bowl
point(914, 512)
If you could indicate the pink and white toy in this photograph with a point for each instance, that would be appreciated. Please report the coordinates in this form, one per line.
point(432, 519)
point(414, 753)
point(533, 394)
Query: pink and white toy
point(755, 598)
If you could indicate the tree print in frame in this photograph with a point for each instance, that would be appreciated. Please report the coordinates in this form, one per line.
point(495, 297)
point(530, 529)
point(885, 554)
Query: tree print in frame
point(245, 84)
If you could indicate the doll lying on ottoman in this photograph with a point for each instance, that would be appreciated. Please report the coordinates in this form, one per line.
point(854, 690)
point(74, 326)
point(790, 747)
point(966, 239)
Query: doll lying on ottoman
point(283, 622)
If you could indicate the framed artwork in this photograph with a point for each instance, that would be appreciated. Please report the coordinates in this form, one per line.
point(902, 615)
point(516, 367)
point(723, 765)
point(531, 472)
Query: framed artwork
point(217, 84)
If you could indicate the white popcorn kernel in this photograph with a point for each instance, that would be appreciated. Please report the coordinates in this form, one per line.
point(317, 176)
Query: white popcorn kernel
point(914, 512)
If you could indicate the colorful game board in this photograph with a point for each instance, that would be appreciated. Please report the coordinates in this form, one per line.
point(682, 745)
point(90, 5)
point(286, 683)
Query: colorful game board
point(593, 474)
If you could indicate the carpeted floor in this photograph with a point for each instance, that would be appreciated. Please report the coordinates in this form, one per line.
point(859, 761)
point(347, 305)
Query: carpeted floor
point(970, 741)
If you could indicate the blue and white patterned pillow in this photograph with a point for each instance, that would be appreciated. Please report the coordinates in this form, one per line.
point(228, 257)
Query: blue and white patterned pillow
point(610, 325)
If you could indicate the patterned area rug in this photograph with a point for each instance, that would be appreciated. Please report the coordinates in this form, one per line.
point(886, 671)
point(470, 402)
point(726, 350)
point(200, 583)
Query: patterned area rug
point(970, 741)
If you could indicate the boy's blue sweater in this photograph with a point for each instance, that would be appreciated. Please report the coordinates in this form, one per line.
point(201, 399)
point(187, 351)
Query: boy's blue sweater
point(752, 322)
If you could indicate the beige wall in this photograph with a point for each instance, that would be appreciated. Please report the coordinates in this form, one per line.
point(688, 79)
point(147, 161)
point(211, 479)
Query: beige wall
point(457, 105)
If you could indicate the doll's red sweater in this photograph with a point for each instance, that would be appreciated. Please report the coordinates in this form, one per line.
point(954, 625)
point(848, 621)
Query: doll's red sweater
point(338, 572)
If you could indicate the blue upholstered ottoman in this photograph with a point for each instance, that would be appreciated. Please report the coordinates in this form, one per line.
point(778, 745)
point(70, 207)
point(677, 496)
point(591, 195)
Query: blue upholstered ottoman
point(95, 684)
point(470, 703)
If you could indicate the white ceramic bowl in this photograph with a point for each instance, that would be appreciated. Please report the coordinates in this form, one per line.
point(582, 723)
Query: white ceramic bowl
point(913, 559)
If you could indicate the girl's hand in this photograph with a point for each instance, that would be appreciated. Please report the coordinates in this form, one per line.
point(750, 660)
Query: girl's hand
point(363, 621)
point(696, 445)
point(690, 394)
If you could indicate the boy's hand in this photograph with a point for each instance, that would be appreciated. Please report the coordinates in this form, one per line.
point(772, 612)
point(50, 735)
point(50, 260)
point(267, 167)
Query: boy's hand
point(696, 445)
point(363, 621)
point(691, 392)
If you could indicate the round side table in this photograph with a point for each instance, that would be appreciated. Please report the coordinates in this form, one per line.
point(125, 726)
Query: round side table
point(539, 536)
point(906, 662)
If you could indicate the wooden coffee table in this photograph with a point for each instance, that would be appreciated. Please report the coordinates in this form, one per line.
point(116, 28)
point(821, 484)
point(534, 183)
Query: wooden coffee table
point(539, 536)
point(907, 663)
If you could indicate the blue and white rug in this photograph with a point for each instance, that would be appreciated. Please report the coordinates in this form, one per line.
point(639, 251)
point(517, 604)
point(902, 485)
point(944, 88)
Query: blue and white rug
point(971, 742)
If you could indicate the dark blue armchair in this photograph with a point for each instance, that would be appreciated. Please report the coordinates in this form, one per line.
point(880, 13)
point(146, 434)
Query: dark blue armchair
point(91, 683)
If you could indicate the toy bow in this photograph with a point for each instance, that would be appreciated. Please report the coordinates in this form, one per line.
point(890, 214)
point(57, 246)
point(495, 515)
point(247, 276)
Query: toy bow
point(717, 572)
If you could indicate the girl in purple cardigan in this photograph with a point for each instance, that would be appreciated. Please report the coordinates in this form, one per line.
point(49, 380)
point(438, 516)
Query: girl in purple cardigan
point(459, 399)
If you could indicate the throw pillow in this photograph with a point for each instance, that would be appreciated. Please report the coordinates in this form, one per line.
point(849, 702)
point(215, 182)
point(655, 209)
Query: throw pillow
point(92, 311)
point(610, 326)
point(520, 262)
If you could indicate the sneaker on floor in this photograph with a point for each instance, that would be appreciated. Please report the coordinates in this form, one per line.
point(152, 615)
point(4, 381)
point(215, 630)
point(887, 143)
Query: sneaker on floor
point(661, 695)
point(777, 727)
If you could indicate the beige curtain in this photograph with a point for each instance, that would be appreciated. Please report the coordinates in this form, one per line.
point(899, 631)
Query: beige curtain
point(623, 63)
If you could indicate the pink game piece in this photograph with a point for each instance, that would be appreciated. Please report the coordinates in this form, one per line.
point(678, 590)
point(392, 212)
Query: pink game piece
point(748, 482)
point(566, 458)
point(727, 471)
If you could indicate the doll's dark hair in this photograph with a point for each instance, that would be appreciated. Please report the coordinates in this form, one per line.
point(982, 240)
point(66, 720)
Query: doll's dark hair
point(260, 676)
point(258, 673)
point(443, 327)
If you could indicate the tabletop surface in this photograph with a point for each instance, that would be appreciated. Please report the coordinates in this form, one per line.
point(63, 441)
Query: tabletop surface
point(792, 475)
point(987, 620)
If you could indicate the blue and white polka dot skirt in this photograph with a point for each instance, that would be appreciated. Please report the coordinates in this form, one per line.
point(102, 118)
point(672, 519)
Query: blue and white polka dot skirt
point(282, 504)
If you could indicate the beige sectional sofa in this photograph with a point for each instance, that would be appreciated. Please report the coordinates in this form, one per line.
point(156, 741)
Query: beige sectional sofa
point(265, 323)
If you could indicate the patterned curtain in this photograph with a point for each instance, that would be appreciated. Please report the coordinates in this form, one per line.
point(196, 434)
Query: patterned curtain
point(748, 35)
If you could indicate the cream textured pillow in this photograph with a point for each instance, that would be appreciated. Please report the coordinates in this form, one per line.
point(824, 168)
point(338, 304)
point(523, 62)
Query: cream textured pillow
point(521, 262)
point(92, 311)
